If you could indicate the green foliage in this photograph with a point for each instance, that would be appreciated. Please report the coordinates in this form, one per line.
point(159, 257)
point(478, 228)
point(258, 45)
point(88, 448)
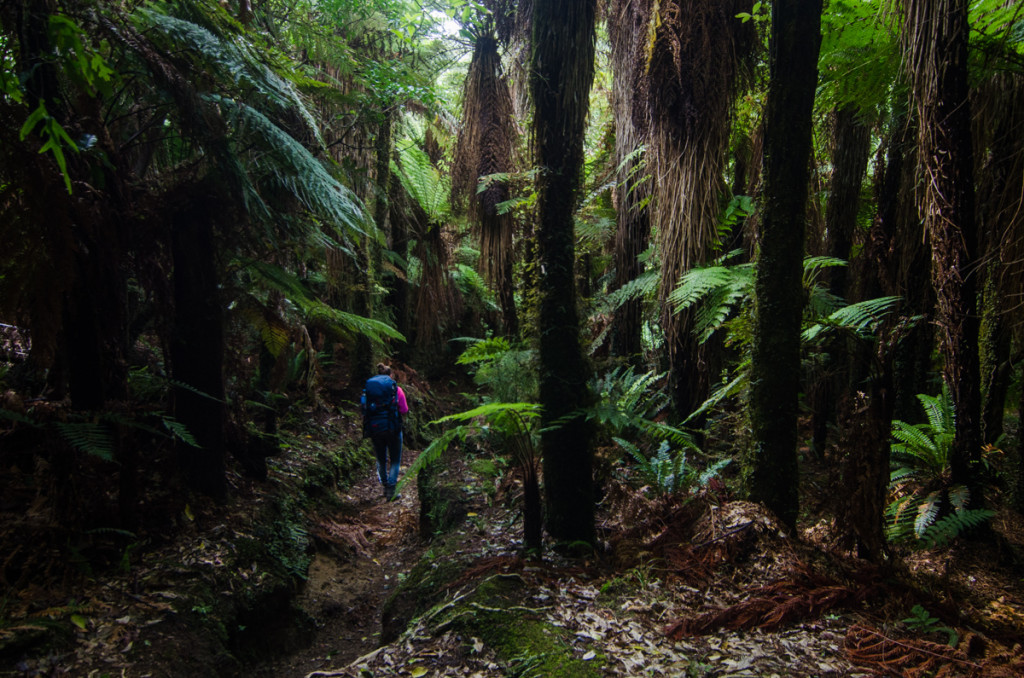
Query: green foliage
point(283, 163)
point(860, 319)
point(339, 324)
point(667, 473)
point(628, 403)
point(921, 452)
point(88, 436)
point(920, 480)
point(922, 621)
point(717, 292)
point(514, 421)
point(428, 187)
point(473, 288)
point(92, 433)
point(860, 56)
point(508, 373)
point(56, 140)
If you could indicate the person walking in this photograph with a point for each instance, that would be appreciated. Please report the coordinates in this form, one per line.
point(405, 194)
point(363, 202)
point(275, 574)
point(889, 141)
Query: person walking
point(383, 405)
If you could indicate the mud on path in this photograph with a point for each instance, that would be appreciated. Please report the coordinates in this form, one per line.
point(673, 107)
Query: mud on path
point(364, 548)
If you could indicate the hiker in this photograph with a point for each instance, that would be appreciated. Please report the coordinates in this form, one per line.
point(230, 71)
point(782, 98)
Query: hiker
point(383, 405)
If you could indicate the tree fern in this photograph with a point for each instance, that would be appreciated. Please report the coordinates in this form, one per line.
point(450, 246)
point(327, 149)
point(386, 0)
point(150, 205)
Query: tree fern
point(287, 164)
point(341, 324)
point(424, 182)
point(220, 50)
point(919, 481)
point(927, 510)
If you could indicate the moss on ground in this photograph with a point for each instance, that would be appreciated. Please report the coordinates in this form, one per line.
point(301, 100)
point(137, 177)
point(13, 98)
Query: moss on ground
point(527, 643)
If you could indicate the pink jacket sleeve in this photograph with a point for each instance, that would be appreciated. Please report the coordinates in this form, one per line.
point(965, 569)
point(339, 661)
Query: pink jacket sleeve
point(403, 406)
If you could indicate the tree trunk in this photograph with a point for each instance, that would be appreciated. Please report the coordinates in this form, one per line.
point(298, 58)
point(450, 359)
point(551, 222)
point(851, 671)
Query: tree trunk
point(938, 34)
point(850, 148)
point(775, 360)
point(197, 344)
point(627, 29)
point(562, 72)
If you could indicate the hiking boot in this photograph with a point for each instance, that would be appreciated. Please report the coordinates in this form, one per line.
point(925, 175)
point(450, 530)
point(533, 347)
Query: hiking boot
point(389, 493)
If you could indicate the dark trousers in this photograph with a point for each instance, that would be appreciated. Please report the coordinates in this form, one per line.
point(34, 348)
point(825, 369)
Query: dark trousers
point(388, 447)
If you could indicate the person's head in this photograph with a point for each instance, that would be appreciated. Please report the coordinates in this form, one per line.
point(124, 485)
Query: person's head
point(383, 369)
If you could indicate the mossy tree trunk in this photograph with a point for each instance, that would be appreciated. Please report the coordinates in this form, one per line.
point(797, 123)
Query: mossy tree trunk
point(937, 33)
point(772, 474)
point(562, 60)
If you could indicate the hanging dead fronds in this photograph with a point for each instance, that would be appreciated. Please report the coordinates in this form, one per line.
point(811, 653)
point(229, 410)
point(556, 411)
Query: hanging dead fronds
point(693, 63)
point(485, 148)
point(627, 30)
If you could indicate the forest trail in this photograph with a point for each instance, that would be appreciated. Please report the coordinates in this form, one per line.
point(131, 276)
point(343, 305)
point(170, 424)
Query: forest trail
point(346, 587)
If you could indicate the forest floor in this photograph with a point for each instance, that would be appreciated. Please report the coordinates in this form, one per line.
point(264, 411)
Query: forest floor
point(697, 586)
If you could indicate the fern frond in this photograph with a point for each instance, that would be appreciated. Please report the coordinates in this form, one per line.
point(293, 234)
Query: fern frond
point(530, 410)
point(711, 472)
point(813, 266)
point(480, 350)
point(286, 163)
point(227, 56)
point(926, 512)
point(912, 442)
point(939, 410)
point(729, 390)
point(698, 283)
point(424, 182)
point(861, 318)
point(91, 437)
point(643, 286)
point(337, 323)
point(959, 497)
point(953, 525)
point(433, 452)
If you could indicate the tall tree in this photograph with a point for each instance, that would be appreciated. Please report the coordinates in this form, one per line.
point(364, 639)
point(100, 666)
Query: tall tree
point(936, 34)
point(485, 146)
point(627, 29)
point(775, 353)
point(562, 71)
point(693, 66)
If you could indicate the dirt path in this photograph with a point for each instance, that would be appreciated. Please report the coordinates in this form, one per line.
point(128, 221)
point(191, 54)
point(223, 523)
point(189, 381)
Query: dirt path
point(369, 543)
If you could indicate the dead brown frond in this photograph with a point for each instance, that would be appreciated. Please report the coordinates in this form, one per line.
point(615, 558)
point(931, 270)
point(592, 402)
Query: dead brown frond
point(907, 658)
point(770, 607)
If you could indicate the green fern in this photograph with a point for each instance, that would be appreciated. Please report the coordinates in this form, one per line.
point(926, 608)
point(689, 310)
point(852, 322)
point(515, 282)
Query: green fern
point(92, 437)
point(921, 452)
point(220, 50)
point(287, 164)
point(861, 318)
point(507, 372)
point(424, 182)
point(341, 325)
point(473, 288)
point(667, 473)
point(953, 525)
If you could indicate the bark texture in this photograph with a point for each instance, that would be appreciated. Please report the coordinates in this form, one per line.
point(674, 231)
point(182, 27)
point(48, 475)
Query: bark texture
point(775, 361)
point(562, 59)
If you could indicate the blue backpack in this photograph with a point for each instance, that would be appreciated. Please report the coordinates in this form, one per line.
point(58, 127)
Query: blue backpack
point(379, 404)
